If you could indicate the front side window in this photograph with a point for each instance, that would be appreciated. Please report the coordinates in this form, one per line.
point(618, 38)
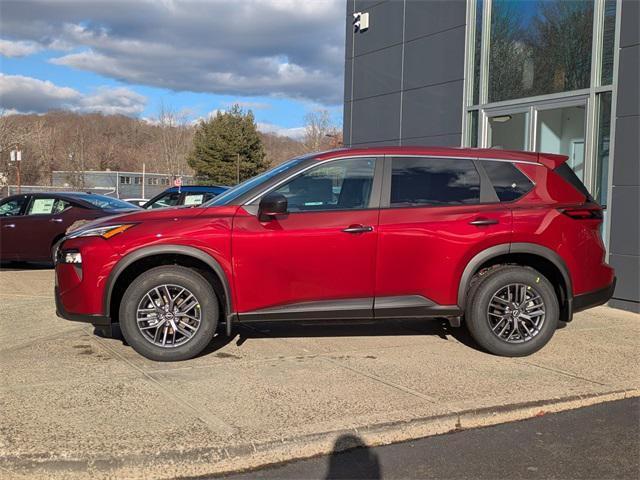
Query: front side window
point(11, 208)
point(508, 182)
point(338, 185)
point(47, 206)
point(166, 200)
point(433, 182)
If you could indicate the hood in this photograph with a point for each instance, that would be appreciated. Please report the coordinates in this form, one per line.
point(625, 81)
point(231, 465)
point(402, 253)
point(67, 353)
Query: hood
point(135, 216)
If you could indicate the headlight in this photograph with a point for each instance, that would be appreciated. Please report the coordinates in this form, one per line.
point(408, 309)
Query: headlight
point(104, 232)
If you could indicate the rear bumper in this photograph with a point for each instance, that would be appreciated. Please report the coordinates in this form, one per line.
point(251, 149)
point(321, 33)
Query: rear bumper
point(593, 299)
point(97, 320)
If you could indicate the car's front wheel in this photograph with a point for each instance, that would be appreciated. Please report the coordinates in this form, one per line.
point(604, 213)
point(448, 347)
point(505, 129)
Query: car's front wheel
point(512, 311)
point(169, 313)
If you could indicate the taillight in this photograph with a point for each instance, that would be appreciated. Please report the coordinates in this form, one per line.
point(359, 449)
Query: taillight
point(583, 213)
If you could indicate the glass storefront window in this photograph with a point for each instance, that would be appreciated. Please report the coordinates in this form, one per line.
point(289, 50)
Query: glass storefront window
point(509, 132)
point(477, 52)
point(608, 42)
point(473, 128)
point(601, 170)
point(539, 47)
point(561, 130)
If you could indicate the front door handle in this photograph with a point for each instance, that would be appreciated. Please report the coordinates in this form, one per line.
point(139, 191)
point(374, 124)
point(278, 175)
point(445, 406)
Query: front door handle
point(358, 229)
point(10, 225)
point(479, 222)
point(56, 220)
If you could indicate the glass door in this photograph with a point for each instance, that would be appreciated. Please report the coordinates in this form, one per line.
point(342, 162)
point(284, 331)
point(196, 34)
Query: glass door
point(562, 130)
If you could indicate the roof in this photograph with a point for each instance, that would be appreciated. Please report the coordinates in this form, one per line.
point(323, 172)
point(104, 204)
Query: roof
point(550, 160)
point(198, 188)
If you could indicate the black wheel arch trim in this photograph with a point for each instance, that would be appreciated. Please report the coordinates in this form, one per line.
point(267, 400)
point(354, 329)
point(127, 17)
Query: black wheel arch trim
point(185, 250)
point(505, 249)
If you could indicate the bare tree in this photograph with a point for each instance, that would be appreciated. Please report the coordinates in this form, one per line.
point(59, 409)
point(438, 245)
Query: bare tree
point(317, 128)
point(174, 132)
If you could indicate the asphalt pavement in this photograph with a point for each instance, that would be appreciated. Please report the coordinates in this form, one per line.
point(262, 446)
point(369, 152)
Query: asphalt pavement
point(597, 442)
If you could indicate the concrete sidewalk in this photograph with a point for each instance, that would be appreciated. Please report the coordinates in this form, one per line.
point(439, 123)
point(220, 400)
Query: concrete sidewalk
point(78, 406)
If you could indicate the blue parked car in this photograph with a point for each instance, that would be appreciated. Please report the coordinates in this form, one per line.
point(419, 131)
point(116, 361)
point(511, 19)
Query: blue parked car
point(189, 195)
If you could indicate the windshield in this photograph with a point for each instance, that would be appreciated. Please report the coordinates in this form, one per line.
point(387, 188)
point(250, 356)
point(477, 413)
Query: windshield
point(106, 203)
point(230, 195)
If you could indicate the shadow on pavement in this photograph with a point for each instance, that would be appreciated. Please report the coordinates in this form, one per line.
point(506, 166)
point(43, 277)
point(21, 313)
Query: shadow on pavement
point(354, 328)
point(17, 266)
point(321, 329)
point(351, 458)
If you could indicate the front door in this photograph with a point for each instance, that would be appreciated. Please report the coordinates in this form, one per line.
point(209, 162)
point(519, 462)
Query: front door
point(317, 261)
point(11, 210)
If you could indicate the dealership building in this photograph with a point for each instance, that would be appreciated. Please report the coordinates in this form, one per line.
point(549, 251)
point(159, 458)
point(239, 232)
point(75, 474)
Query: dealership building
point(557, 76)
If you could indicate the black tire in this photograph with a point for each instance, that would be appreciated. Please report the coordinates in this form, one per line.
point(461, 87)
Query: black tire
point(177, 276)
point(477, 317)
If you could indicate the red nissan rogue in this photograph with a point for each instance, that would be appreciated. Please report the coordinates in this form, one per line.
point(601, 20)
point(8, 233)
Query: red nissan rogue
point(506, 243)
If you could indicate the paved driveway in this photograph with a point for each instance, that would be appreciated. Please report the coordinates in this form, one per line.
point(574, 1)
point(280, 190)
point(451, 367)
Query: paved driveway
point(76, 405)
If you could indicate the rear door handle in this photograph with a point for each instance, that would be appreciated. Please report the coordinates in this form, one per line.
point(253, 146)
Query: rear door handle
point(358, 229)
point(479, 222)
point(56, 220)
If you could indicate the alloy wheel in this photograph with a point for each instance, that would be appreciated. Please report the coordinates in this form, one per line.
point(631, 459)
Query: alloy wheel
point(168, 316)
point(516, 313)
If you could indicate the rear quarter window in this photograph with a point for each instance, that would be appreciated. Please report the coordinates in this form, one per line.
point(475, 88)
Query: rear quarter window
point(508, 182)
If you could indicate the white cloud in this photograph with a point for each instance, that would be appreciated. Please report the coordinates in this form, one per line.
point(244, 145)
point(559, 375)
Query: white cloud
point(10, 48)
point(286, 48)
point(30, 95)
point(297, 133)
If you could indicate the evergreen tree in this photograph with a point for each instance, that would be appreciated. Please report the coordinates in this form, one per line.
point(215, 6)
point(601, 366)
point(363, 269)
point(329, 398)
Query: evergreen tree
point(226, 147)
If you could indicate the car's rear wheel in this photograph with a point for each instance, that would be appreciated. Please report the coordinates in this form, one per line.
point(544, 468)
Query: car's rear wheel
point(512, 311)
point(169, 313)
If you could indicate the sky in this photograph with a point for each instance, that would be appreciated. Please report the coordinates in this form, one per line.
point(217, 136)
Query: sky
point(280, 58)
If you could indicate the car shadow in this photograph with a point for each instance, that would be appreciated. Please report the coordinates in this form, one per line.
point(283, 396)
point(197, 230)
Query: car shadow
point(316, 329)
point(20, 266)
point(350, 328)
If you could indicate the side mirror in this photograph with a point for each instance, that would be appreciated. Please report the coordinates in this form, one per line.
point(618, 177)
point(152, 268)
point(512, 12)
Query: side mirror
point(272, 205)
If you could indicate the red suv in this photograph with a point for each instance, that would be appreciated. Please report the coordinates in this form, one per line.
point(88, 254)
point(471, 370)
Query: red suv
point(506, 242)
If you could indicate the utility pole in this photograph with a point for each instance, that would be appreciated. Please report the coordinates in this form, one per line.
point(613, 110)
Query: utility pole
point(143, 172)
point(16, 156)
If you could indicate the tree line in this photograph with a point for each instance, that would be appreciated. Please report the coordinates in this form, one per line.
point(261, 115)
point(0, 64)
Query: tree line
point(222, 149)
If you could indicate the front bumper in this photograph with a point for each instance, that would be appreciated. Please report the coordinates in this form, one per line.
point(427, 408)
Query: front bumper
point(593, 299)
point(97, 320)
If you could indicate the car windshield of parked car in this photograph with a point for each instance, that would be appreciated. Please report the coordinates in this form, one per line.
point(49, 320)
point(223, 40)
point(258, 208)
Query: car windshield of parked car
point(106, 203)
point(169, 199)
point(233, 193)
point(11, 207)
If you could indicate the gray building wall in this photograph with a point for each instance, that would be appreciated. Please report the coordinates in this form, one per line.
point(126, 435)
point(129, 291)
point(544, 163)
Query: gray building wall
point(404, 77)
point(624, 240)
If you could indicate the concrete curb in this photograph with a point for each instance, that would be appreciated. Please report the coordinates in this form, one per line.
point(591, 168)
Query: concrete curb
point(205, 463)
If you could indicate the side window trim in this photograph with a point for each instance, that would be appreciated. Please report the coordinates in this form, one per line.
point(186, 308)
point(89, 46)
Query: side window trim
point(487, 192)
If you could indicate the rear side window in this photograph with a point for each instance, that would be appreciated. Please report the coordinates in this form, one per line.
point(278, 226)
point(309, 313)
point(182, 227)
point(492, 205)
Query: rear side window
point(433, 181)
point(569, 176)
point(508, 182)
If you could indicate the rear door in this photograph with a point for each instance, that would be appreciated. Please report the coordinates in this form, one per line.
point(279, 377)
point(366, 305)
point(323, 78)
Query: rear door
point(319, 260)
point(45, 220)
point(437, 213)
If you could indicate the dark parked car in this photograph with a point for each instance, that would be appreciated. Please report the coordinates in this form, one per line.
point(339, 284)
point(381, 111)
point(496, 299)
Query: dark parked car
point(31, 224)
point(189, 195)
point(506, 243)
